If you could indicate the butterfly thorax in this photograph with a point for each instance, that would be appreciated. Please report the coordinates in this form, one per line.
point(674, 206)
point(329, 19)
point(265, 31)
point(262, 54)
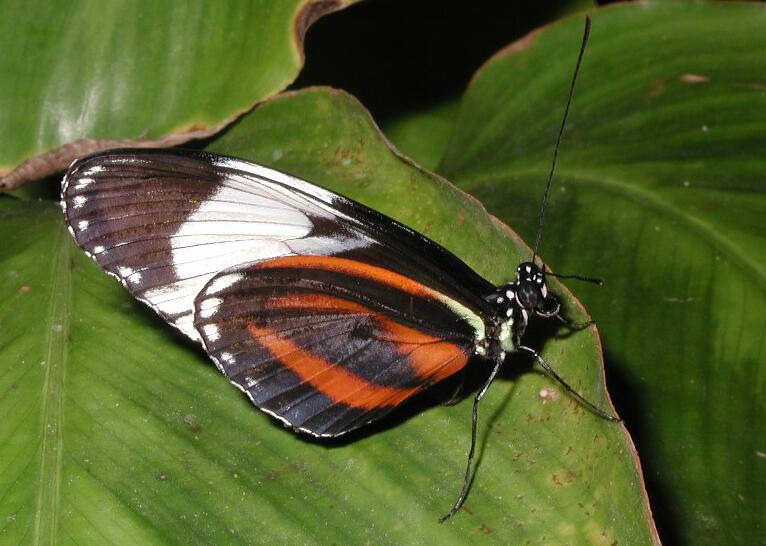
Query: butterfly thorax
point(513, 301)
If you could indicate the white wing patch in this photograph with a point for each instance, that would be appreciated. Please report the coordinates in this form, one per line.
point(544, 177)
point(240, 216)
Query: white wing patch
point(232, 227)
point(253, 213)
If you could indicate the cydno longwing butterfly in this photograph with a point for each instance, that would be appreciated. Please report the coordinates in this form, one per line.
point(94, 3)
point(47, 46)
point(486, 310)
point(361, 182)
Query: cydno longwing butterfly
point(325, 313)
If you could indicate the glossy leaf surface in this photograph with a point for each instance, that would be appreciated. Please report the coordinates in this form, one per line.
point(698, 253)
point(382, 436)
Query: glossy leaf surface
point(660, 190)
point(120, 431)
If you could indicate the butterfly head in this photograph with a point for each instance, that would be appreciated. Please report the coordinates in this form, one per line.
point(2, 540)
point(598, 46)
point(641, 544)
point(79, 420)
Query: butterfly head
point(531, 290)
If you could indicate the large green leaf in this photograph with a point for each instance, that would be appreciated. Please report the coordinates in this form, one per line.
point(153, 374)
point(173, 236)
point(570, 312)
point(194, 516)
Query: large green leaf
point(660, 190)
point(116, 430)
point(88, 74)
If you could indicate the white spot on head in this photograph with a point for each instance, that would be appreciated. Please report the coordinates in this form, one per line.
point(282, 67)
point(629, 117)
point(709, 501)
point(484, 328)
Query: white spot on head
point(500, 299)
point(509, 312)
point(211, 332)
point(82, 225)
point(480, 350)
point(544, 291)
point(79, 201)
point(528, 269)
point(509, 294)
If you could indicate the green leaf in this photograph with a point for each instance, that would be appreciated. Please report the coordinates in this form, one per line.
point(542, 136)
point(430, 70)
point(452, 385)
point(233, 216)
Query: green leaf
point(137, 71)
point(660, 190)
point(116, 430)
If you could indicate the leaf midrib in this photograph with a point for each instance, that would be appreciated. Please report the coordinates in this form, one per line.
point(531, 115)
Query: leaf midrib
point(56, 324)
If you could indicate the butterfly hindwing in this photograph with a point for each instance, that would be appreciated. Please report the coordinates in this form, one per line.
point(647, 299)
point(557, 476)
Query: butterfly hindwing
point(327, 344)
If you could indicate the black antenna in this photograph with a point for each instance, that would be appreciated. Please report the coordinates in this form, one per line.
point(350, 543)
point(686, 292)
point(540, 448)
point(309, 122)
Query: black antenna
point(592, 280)
point(585, 35)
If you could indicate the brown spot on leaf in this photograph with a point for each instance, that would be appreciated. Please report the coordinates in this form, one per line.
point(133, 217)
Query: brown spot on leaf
point(25, 288)
point(693, 78)
point(656, 89)
point(191, 423)
point(548, 394)
point(161, 476)
point(484, 529)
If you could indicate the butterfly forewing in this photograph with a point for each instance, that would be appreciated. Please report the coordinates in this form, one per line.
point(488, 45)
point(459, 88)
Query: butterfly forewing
point(328, 344)
point(166, 223)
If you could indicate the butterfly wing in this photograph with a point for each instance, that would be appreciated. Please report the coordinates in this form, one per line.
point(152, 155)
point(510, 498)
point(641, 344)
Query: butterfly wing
point(164, 222)
point(327, 344)
point(174, 225)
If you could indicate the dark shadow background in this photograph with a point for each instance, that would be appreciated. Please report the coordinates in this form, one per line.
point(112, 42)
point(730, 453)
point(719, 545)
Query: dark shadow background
point(400, 57)
point(397, 57)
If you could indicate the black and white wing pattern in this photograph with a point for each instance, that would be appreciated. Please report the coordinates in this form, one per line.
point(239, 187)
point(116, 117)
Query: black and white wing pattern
point(165, 223)
point(203, 239)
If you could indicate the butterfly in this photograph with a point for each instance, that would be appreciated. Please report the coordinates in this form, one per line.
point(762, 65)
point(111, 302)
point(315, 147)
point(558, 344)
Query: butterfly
point(327, 314)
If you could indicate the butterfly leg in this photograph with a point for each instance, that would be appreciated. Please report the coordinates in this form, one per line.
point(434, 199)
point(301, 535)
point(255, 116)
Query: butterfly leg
point(554, 374)
point(555, 311)
point(474, 420)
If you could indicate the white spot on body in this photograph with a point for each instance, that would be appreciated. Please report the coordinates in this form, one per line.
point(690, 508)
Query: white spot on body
point(505, 336)
point(79, 201)
point(98, 249)
point(82, 225)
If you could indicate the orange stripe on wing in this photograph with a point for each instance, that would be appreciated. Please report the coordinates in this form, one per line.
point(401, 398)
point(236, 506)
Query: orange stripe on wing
point(327, 377)
point(354, 268)
point(431, 358)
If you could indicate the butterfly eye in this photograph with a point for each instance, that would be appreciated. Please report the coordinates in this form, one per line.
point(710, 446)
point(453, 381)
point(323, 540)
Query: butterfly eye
point(529, 295)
